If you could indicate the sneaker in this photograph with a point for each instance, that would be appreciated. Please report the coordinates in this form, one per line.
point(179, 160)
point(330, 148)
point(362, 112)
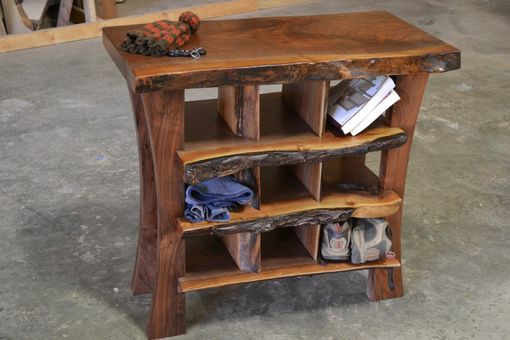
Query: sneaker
point(370, 240)
point(336, 238)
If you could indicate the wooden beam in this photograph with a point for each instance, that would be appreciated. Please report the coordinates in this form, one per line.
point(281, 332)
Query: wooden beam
point(52, 36)
point(264, 4)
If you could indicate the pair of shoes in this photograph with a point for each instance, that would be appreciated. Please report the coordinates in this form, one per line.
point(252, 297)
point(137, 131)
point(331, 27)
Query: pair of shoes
point(362, 240)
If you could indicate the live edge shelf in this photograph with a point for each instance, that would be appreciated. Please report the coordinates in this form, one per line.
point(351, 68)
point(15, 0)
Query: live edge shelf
point(303, 172)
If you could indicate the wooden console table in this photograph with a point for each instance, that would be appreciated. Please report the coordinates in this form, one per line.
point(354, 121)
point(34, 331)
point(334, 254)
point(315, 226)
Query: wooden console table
point(277, 143)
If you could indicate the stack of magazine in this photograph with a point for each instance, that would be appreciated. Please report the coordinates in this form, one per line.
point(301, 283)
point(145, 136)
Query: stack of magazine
point(356, 103)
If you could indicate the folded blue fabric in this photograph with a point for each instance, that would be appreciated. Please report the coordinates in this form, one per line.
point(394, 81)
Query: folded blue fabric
point(194, 213)
point(211, 199)
point(198, 213)
point(220, 192)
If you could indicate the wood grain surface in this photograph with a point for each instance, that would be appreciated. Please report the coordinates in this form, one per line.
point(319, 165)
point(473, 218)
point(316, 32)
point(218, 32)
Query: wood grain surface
point(240, 109)
point(308, 99)
point(165, 121)
point(385, 284)
point(289, 49)
point(244, 249)
point(309, 236)
point(146, 251)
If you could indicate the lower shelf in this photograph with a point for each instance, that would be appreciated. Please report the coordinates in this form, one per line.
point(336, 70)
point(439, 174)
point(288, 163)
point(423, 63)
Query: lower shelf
point(209, 265)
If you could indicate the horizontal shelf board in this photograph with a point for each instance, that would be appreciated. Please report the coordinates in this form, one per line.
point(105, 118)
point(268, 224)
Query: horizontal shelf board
point(212, 150)
point(286, 203)
point(209, 265)
point(191, 284)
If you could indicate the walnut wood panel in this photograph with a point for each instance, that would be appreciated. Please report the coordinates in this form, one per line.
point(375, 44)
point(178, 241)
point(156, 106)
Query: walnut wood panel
point(146, 251)
point(287, 203)
point(309, 237)
point(213, 150)
point(308, 99)
point(289, 50)
point(310, 175)
point(244, 249)
point(209, 265)
point(239, 107)
point(384, 284)
point(165, 120)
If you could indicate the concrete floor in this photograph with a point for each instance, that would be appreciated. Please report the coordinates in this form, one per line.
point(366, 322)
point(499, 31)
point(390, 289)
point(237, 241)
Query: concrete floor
point(69, 203)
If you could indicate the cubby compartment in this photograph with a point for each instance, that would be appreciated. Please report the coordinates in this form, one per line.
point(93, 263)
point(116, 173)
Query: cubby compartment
point(280, 184)
point(282, 248)
point(244, 247)
point(207, 257)
point(350, 173)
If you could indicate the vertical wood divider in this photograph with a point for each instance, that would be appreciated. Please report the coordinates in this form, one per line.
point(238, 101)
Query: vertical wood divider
point(310, 174)
point(239, 106)
point(309, 235)
point(309, 100)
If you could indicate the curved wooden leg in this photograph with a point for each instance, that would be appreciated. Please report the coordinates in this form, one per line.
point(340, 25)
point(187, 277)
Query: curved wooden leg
point(145, 263)
point(165, 121)
point(387, 283)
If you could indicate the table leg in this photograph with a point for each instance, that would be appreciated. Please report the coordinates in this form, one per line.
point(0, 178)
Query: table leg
point(387, 283)
point(164, 112)
point(145, 263)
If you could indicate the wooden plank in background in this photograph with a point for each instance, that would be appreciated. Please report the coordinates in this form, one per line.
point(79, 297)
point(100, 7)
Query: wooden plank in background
point(52, 36)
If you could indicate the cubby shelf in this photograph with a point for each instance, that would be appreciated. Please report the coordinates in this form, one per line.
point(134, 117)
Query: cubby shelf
point(286, 202)
point(209, 265)
point(284, 139)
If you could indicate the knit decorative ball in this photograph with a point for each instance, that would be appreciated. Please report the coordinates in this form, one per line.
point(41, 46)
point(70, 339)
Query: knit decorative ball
point(160, 37)
point(191, 19)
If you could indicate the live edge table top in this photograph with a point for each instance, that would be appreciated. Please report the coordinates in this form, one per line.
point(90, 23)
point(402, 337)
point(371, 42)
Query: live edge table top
point(288, 49)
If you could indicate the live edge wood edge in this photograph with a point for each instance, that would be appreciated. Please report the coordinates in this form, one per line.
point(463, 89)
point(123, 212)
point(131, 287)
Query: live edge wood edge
point(388, 203)
point(227, 165)
point(333, 70)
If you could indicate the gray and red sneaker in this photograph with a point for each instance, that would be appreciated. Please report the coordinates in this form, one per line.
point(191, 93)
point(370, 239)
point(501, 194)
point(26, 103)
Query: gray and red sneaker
point(370, 240)
point(336, 238)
